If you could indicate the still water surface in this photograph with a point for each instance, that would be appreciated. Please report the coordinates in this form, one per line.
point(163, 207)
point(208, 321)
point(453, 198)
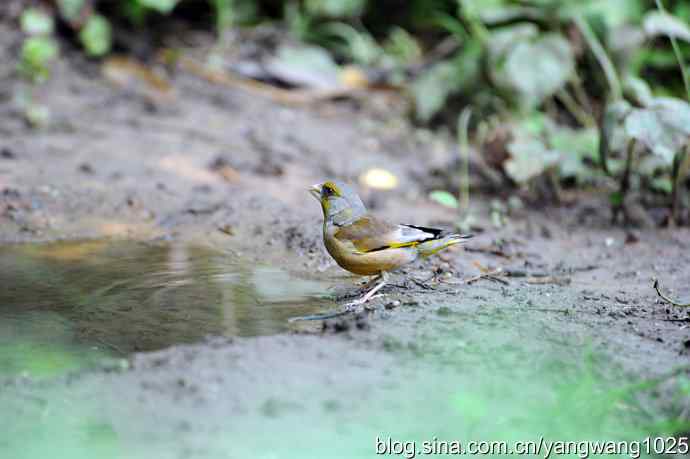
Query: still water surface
point(68, 304)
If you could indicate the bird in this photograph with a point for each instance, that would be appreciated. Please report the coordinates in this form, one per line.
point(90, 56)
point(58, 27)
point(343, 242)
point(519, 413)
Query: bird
point(364, 244)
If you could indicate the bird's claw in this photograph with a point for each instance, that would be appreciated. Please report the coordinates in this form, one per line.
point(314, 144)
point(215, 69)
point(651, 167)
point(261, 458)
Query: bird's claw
point(353, 305)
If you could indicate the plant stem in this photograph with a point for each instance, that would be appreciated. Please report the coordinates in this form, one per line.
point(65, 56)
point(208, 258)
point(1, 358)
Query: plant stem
point(477, 29)
point(580, 93)
point(600, 54)
point(676, 50)
point(463, 144)
point(625, 180)
point(676, 174)
point(578, 112)
point(666, 298)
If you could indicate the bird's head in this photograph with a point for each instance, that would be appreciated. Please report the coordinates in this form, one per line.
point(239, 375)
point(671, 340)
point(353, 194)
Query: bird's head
point(339, 202)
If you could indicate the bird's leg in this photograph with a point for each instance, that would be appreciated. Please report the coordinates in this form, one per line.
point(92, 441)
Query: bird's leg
point(382, 279)
point(371, 282)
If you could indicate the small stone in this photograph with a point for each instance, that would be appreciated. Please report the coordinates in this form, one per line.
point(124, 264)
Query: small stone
point(444, 311)
point(6, 153)
point(392, 304)
point(86, 168)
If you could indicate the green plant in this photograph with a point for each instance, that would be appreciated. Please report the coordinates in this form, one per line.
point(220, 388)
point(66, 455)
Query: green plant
point(95, 36)
point(462, 202)
point(551, 72)
point(659, 126)
point(39, 48)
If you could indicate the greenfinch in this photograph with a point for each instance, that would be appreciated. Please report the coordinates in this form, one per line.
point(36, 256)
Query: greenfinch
point(366, 245)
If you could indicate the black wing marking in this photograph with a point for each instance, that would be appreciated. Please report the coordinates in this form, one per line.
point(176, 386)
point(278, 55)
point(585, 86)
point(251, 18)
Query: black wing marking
point(437, 233)
point(430, 233)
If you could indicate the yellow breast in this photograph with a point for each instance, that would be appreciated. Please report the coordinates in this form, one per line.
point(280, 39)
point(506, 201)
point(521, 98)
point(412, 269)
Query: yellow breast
point(369, 263)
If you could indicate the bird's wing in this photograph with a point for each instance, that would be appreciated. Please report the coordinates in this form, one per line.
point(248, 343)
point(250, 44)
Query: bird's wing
point(370, 234)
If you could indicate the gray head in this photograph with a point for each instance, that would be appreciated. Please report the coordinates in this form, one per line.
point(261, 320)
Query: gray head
point(339, 201)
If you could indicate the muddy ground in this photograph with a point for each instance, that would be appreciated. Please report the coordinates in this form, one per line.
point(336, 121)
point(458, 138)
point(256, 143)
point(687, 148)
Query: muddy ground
point(114, 164)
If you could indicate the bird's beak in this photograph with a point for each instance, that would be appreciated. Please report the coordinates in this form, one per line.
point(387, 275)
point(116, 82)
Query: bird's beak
point(315, 190)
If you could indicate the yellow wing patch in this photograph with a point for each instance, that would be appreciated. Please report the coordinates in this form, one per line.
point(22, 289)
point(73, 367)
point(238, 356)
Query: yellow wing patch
point(370, 234)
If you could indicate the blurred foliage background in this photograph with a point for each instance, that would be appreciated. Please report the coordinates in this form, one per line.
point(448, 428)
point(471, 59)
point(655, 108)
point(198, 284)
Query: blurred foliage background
point(563, 93)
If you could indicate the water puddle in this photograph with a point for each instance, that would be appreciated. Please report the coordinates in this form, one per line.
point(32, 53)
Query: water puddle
point(69, 304)
point(489, 372)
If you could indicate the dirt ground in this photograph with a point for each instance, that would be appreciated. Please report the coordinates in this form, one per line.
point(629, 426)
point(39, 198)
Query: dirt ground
point(114, 164)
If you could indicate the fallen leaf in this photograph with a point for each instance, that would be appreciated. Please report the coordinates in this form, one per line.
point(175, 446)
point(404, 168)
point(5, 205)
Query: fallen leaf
point(130, 74)
point(379, 179)
point(444, 198)
point(305, 66)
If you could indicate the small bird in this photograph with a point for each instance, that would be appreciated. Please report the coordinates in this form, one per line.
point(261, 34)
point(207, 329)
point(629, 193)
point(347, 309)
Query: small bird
point(366, 245)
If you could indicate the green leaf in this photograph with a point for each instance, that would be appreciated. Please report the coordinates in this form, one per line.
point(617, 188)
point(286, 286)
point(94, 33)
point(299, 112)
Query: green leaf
point(162, 6)
point(432, 88)
point(444, 198)
point(529, 158)
point(70, 9)
point(480, 8)
point(613, 13)
point(335, 8)
point(402, 46)
point(535, 124)
point(37, 52)
point(663, 127)
point(95, 36)
point(657, 23)
point(359, 45)
point(233, 12)
point(663, 184)
point(36, 22)
point(309, 66)
point(575, 146)
point(504, 39)
point(616, 199)
point(533, 68)
point(637, 90)
point(613, 130)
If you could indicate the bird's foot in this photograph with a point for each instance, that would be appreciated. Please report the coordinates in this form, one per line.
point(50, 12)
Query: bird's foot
point(370, 284)
point(353, 305)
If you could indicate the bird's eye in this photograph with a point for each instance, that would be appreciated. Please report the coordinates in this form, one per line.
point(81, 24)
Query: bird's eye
point(327, 191)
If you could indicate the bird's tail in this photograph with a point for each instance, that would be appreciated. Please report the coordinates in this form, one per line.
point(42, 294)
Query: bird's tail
point(436, 245)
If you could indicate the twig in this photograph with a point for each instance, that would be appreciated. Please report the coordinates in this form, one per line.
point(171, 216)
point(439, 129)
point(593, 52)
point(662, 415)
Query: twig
point(279, 95)
point(676, 177)
point(422, 284)
point(488, 250)
point(111, 346)
point(463, 144)
point(625, 180)
point(490, 275)
point(548, 280)
point(667, 299)
point(497, 279)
